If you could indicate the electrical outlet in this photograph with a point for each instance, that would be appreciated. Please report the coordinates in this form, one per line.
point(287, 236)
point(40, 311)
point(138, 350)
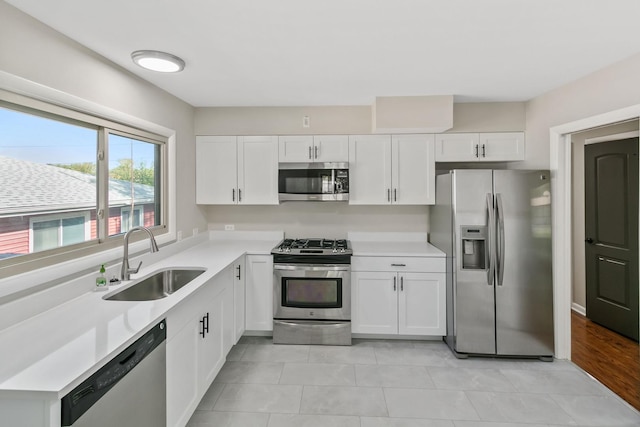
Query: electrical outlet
point(179, 236)
point(195, 231)
point(229, 227)
point(306, 122)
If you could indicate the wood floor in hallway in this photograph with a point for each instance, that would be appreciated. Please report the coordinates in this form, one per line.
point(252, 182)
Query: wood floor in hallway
point(611, 358)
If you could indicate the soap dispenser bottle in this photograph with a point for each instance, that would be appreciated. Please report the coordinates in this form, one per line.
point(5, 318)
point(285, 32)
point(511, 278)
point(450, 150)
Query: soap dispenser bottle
point(101, 280)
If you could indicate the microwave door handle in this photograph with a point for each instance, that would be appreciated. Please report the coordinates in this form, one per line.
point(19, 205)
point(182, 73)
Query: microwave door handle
point(334, 181)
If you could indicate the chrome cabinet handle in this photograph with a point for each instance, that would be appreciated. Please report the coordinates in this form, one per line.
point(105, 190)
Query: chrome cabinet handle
point(309, 152)
point(238, 276)
point(388, 194)
point(476, 150)
point(401, 283)
point(233, 195)
point(316, 151)
point(394, 284)
point(395, 194)
point(483, 151)
point(239, 195)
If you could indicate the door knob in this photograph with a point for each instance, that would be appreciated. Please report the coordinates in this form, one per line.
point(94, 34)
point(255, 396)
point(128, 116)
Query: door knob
point(589, 240)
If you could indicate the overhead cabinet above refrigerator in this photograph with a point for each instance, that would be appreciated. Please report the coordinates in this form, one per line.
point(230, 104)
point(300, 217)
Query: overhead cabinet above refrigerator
point(495, 228)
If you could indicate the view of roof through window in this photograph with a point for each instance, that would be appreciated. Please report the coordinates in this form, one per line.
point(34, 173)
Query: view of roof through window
point(49, 183)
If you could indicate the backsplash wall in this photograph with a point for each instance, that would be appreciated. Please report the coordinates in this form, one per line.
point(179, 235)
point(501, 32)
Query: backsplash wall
point(319, 219)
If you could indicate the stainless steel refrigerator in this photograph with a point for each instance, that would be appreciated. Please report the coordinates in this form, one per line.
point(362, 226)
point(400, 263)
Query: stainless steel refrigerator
point(495, 228)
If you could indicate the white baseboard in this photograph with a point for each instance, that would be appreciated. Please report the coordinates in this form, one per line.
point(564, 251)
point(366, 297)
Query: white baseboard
point(578, 309)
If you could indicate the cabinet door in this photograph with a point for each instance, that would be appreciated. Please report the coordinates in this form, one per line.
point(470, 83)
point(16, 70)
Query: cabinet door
point(422, 304)
point(331, 148)
point(258, 170)
point(216, 170)
point(211, 353)
point(501, 146)
point(370, 170)
point(259, 293)
point(374, 302)
point(238, 298)
point(295, 149)
point(225, 281)
point(413, 170)
point(457, 147)
point(182, 373)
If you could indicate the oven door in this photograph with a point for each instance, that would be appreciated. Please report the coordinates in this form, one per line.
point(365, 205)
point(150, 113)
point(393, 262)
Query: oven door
point(307, 291)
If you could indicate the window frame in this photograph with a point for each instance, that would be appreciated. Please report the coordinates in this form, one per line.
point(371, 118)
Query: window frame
point(54, 105)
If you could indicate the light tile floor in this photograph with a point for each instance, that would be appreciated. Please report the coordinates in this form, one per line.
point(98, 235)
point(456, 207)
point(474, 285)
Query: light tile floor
point(376, 383)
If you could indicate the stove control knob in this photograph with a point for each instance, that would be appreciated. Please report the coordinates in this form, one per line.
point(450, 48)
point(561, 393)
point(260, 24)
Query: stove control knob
point(342, 250)
point(334, 250)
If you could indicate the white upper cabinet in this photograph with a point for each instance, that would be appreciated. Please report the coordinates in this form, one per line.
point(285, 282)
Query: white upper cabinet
point(258, 170)
point(237, 170)
point(413, 170)
point(479, 147)
point(386, 169)
point(216, 170)
point(370, 170)
point(502, 146)
point(318, 148)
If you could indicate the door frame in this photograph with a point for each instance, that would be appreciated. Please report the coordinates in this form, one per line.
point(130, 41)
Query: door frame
point(561, 169)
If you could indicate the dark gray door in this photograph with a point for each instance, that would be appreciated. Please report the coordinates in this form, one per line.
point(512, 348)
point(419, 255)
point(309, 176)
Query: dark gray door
point(611, 231)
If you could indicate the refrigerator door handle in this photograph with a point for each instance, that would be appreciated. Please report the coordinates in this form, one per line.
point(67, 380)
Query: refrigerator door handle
point(500, 240)
point(491, 239)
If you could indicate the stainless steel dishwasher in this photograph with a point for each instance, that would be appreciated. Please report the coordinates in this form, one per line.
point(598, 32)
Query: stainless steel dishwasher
point(129, 391)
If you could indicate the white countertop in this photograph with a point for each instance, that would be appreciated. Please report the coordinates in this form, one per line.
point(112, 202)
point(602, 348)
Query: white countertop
point(404, 249)
point(47, 355)
point(393, 244)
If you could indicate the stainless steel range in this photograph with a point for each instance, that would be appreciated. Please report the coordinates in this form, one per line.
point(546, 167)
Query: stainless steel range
point(312, 292)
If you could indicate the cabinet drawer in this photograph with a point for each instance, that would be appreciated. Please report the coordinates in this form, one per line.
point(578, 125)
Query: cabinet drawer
point(416, 264)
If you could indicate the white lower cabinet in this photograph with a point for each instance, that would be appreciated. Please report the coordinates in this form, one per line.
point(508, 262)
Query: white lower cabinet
point(196, 345)
point(398, 301)
point(259, 293)
point(239, 273)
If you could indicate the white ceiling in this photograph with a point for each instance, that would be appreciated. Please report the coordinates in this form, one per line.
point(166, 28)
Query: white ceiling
point(346, 52)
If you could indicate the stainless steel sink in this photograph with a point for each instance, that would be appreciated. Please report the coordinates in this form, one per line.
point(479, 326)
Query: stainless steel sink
point(158, 285)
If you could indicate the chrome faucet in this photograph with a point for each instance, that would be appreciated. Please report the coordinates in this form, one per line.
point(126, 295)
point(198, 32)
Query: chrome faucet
point(125, 272)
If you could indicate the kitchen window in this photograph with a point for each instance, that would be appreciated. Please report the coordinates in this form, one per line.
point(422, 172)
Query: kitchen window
point(73, 182)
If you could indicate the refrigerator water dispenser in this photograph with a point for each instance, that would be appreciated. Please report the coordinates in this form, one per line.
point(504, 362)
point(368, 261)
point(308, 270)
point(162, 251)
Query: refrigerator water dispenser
point(474, 243)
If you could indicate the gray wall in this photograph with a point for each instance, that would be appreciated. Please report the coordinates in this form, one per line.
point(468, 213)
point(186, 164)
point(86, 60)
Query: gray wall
point(353, 120)
point(35, 52)
point(609, 89)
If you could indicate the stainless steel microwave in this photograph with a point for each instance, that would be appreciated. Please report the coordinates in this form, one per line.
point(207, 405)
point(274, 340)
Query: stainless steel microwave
point(313, 181)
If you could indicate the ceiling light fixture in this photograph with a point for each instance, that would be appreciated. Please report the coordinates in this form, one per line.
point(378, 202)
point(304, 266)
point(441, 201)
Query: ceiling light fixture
point(158, 61)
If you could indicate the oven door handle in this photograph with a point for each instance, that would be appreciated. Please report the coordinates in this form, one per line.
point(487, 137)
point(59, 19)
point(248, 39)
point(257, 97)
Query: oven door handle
point(311, 267)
